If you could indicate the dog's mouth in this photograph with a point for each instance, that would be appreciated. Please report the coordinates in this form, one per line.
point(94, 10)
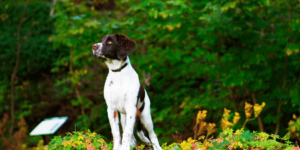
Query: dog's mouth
point(100, 56)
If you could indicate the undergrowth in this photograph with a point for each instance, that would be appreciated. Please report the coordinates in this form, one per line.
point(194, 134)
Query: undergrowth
point(228, 139)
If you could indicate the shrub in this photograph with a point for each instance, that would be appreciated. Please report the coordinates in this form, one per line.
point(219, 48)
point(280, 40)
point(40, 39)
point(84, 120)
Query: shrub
point(78, 140)
point(227, 139)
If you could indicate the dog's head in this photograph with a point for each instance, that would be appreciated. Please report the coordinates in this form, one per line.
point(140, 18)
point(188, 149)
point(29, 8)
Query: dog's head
point(113, 46)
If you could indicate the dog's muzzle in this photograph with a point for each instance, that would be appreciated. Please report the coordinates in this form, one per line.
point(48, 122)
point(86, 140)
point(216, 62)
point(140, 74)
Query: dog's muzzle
point(95, 47)
point(97, 51)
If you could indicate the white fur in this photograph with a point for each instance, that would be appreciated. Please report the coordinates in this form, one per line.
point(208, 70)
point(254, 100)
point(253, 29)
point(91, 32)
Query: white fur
point(120, 93)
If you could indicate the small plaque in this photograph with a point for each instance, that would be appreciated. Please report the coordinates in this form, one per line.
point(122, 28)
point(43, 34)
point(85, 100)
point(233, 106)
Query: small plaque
point(49, 126)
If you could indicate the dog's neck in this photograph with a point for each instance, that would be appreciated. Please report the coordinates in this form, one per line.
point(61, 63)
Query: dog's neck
point(117, 65)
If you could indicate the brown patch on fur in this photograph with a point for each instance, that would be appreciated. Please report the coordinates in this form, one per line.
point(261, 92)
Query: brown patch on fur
point(115, 114)
point(138, 113)
point(138, 121)
point(141, 97)
point(141, 94)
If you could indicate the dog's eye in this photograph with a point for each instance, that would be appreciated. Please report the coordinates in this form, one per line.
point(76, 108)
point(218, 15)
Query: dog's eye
point(109, 42)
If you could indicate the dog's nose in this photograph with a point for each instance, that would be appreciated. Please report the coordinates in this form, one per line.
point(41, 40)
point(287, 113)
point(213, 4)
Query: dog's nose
point(95, 47)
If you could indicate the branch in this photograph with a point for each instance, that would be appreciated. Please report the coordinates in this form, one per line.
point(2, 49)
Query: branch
point(284, 78)
point(260, 123)
point(72, 74)
point(12, 88)
point(280, 100)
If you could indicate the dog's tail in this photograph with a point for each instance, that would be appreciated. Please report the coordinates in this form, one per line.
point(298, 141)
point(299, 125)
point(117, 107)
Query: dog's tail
point(140, 132)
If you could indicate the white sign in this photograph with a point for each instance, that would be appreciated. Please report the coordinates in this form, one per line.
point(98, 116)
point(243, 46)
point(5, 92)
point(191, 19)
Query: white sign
point(49, 126)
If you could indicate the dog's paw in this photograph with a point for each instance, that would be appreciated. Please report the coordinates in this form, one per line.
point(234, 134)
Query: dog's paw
point(133, 142)
point(125, 147)
point(117, 147)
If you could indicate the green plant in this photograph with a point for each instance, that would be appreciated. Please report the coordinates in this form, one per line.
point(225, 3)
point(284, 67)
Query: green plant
point(294, 128)
point(78, 140)
point(234, 139)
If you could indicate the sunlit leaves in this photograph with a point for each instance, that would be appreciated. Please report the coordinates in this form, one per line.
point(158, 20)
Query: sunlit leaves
point(78, 140)
point(199, 54)
point(292, 48)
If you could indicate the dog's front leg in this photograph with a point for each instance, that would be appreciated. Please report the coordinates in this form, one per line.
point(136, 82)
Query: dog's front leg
point(128, 132)
point(114, 124)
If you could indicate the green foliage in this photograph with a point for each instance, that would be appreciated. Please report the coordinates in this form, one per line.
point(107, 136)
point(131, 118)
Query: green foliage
point(246, 139)
point(207, 54)
point(37, 52)
point(228, 138)
point(294, 128)
point(78, 140)
point(36, 56)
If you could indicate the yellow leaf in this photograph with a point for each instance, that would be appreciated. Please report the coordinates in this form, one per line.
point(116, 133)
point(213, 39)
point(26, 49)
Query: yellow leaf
point(69, 143)
point(201, 116)
point(80, 137)
point(226, 113)
point(288, 52)
point(169, 27)
point(164, 15)
point(93, 134)
point(46, 147)
point(75, 31)
point(81, 30)
point(201, 18)
point(79, 142)
point(258, 108)
point(3, 17)
point(224, 8)
point(74, 145)
point(87, 140)
point(248, 110)
point(294, 116)
point(232, 5)
point(50, 39)
point(236, 117)
point(268, 2)
point(293, 129)
point(211, 128)
point(225, 124)
point(64, 143)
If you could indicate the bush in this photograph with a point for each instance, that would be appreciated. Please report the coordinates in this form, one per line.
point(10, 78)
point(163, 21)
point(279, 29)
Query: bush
point(78, 140)
point(228, 139)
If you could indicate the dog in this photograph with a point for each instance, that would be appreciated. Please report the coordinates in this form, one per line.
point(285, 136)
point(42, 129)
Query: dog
point(124, 93)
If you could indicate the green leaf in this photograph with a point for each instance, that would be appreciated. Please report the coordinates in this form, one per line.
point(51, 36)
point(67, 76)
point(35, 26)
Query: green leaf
point(247, 135)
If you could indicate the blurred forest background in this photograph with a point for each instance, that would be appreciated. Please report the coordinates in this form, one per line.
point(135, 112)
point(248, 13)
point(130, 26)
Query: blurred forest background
point(191, 55)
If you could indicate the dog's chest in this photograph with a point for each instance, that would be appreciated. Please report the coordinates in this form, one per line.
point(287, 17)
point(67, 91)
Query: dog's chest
point(118, 92)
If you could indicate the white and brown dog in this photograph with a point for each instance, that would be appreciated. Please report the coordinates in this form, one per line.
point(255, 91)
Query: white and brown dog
point(124, 93)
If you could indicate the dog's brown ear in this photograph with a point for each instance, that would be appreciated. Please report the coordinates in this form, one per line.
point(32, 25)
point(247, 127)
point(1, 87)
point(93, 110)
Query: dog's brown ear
point(126, 46)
